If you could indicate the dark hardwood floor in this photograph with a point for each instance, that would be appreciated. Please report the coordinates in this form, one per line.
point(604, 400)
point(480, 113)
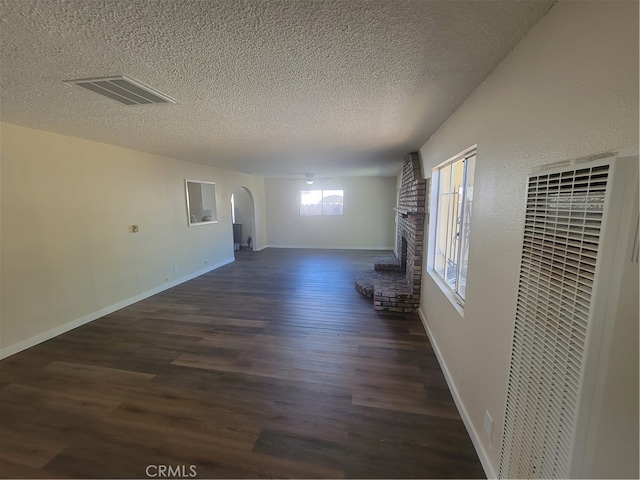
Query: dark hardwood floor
point(273, 366)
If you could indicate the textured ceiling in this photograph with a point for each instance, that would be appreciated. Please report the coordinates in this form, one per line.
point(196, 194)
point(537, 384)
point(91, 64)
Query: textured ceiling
point(271, 87)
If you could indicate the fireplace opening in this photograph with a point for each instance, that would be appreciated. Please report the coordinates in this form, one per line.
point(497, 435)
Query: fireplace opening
point(403, 255)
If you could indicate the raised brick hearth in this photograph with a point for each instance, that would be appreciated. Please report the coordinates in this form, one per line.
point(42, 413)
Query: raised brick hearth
point(394, 283)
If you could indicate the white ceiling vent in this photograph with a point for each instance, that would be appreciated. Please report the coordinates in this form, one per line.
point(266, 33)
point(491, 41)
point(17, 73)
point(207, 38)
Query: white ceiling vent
point(123, 90)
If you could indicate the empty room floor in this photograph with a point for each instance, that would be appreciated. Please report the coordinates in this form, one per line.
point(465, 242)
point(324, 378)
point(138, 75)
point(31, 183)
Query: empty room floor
point(270, 367)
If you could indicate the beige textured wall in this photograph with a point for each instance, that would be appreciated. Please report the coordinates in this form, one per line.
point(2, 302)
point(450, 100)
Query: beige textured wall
point(368, 220)
point(67, 251)
point(569, 89)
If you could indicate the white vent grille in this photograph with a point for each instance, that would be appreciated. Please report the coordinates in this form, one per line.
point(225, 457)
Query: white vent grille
point(123, 90)
point(564, 215)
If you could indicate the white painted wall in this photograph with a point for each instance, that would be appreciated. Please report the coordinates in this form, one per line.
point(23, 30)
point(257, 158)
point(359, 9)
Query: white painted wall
point(67, 253)
point(569, 89)
point(367, 223)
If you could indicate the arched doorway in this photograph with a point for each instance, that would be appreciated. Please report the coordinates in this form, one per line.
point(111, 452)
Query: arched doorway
point(243, 217)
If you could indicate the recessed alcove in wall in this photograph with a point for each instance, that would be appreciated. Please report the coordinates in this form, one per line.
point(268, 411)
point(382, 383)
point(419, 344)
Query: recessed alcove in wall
point(243, 215)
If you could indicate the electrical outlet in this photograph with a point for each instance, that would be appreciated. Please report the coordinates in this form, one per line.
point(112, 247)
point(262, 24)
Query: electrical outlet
point(488, 423)
point(175, 269)
point(135, 229)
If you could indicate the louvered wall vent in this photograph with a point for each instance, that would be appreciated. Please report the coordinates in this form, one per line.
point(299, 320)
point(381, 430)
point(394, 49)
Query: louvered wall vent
point(565, 273)
point(123, 89)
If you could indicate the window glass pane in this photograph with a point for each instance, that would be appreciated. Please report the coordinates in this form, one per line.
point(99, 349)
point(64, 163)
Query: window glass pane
point(441, 235)
point(444, 179)
point(449, 265)
point(453, 223)
point(332, 202)
point(464, 231)
point(321, 202)
point(454, 199)
point(311, 202)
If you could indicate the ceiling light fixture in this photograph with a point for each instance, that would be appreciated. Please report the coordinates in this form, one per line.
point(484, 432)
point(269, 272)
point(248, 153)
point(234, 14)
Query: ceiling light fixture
point(309, 177)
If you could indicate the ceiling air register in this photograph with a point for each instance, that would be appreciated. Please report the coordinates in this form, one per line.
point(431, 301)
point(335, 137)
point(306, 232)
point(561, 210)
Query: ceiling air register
point(574, 213)
point(123, 89)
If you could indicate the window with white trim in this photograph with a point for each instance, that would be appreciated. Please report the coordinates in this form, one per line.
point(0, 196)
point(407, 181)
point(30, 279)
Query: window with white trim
point(453, 184)
point(321, 202)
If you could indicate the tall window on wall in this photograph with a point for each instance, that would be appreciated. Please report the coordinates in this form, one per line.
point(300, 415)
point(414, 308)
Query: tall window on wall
point(321, 202)
point(453, 181)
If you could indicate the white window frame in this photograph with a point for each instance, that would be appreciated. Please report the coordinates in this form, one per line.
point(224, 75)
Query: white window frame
point(452, 291)
point(322, 204)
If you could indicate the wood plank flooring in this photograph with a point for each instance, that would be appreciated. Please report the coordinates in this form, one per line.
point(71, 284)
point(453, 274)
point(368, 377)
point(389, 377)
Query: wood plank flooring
point(270, 367)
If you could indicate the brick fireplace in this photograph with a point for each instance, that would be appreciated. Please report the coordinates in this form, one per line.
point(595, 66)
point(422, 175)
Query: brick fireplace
point(411, 211)
point(395, 282)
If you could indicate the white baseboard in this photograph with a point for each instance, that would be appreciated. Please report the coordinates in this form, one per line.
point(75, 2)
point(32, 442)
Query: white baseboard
point(482, 454)
point(332, 247)
point(54, 332)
